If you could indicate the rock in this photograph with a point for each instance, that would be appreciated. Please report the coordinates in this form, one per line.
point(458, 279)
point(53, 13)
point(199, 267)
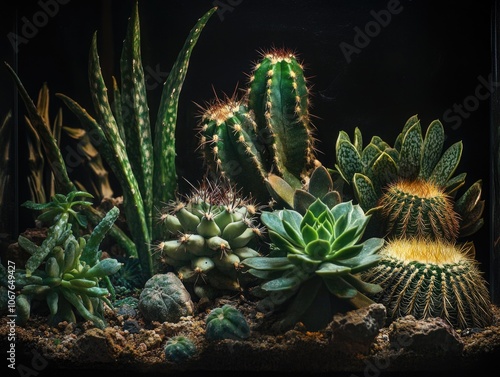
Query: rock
point(355, 331)
point(132, 326)
point(165, 299)
point(432, 336)
point(97, 346)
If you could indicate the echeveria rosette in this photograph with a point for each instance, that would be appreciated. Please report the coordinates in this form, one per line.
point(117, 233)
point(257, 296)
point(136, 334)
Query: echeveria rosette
point(315, 258)
point(411, 185)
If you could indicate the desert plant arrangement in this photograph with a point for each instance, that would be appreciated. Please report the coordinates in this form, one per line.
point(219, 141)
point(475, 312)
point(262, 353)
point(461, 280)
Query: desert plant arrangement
point(267, 223)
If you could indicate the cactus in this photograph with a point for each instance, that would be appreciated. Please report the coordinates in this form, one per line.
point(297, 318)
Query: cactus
point(226, 322)
point(179, 348)
point(213, 230)
point(141, 157)
point(315, 258)
point(268, 131)
point(66, 271)
point(411, 186)
point(432, 279)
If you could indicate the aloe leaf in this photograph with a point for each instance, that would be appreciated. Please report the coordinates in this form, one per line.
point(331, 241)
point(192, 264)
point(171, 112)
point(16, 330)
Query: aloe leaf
point(135, 113)
point(165, 175)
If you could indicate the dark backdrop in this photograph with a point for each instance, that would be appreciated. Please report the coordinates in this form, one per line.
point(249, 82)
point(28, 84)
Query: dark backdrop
point(430, 58)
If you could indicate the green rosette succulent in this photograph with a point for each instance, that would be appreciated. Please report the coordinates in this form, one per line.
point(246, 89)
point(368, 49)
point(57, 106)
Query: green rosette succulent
point(314, 260)
point(411, 186)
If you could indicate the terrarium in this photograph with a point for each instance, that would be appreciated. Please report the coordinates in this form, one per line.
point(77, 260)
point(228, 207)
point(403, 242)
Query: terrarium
point(285, 186)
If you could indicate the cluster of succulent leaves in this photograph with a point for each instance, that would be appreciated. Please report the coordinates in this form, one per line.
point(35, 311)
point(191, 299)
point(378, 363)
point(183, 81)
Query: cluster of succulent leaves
point(141, 157)
point(212, 230)
point(314, 259)
point(267, 131)
point(66, 270)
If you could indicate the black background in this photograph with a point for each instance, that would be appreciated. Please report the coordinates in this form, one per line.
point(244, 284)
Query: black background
point(430, 56)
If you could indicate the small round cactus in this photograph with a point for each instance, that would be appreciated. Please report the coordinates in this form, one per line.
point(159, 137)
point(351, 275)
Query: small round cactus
point(432, 279)
point(179, 348)
point(226, 322)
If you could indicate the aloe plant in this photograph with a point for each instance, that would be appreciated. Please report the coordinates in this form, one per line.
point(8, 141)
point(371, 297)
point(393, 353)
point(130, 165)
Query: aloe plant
point(142, 157)
point(315, 258)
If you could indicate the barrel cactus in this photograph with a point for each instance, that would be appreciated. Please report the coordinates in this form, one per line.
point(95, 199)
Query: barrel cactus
point(314, 259)
point(226, 322)
point(179, 348)
point(412, 186)
point(213, 229)
point(66, 272)
point(432, 279)
point(269, 130)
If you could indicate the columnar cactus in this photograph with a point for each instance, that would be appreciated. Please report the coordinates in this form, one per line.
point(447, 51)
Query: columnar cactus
point(213, 230)
point(268, 131)
point(66, 272)
point(432, 279)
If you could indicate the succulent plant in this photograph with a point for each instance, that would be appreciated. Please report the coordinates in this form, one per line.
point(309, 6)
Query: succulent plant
point(411, 186)
point(319, 185)
point(67, 272)
point(315, 258)
point(165, 299)
point(179, 348)
point(268, 131)
point(427, 278)
point(226, 322)
point(213, 230)
point(141, 156)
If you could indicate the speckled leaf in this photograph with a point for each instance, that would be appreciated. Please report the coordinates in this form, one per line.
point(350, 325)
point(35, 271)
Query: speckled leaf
point(379, 143)
point(370, 153)
point(410, 155)
point(409, 123)
point(384, 170)
point(447, 164)
point(358, 140)
point(432, 148)
point(134, 213)
point(455, 183)
point(117, 108)
point(348, 160)
point(165, 175)
point(364, 191)
point(135, 110)
point(470, 198)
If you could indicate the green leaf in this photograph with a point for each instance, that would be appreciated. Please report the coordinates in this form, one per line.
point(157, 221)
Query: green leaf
point(302, 200)
point(384, 170)
point(309, 234)
point(409, 123)
point(432, 148)
point(280, 190)
point(364, 191)
point(294, 234)
point(282, 284)
point(320, 182)
point(329, 270)
point(348, 159)
point(348, 238)
point(341, 209)
point(447, 164)
point(362, 286)
point(469, 199)
point(411, 151)
point(318, 249)
point(332, 199)
point(266, 263)
point(358, 140)
point(340, 288)
point(274, 222)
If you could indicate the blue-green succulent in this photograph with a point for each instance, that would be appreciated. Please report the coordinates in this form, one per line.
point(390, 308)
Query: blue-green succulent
point(315, 258)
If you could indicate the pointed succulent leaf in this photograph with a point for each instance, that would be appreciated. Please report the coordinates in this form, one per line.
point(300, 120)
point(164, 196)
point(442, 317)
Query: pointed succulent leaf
point(471, 228)
point(469, 199)
point(365, 192)
point(293, 218)
point(294, 234)
point(282, 284)
point(455, 183)
point(432, 148)
point(370, 153)
point(280, 190)
point(358, 140)
point(409, 123)
point(341, 209)
point(362, 286)
point(447, 164)
point(273, 222)
point(332, 199)
point(330, 269)
point(384, 170)
point(347, 252)
point(411, 151)
point(309, 234)
point(346, 239)
point(266, 263)
point(284, 243)
point(348, 159)
point(320, 182)
point(379, 143)
point(340, 288)
point(302, 200)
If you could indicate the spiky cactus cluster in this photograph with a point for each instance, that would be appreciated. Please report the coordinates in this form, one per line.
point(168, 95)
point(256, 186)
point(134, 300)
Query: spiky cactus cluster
point(213, 230)
point(269, 130)
point(65, 272)
point(432, 279)
point(412, 190)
